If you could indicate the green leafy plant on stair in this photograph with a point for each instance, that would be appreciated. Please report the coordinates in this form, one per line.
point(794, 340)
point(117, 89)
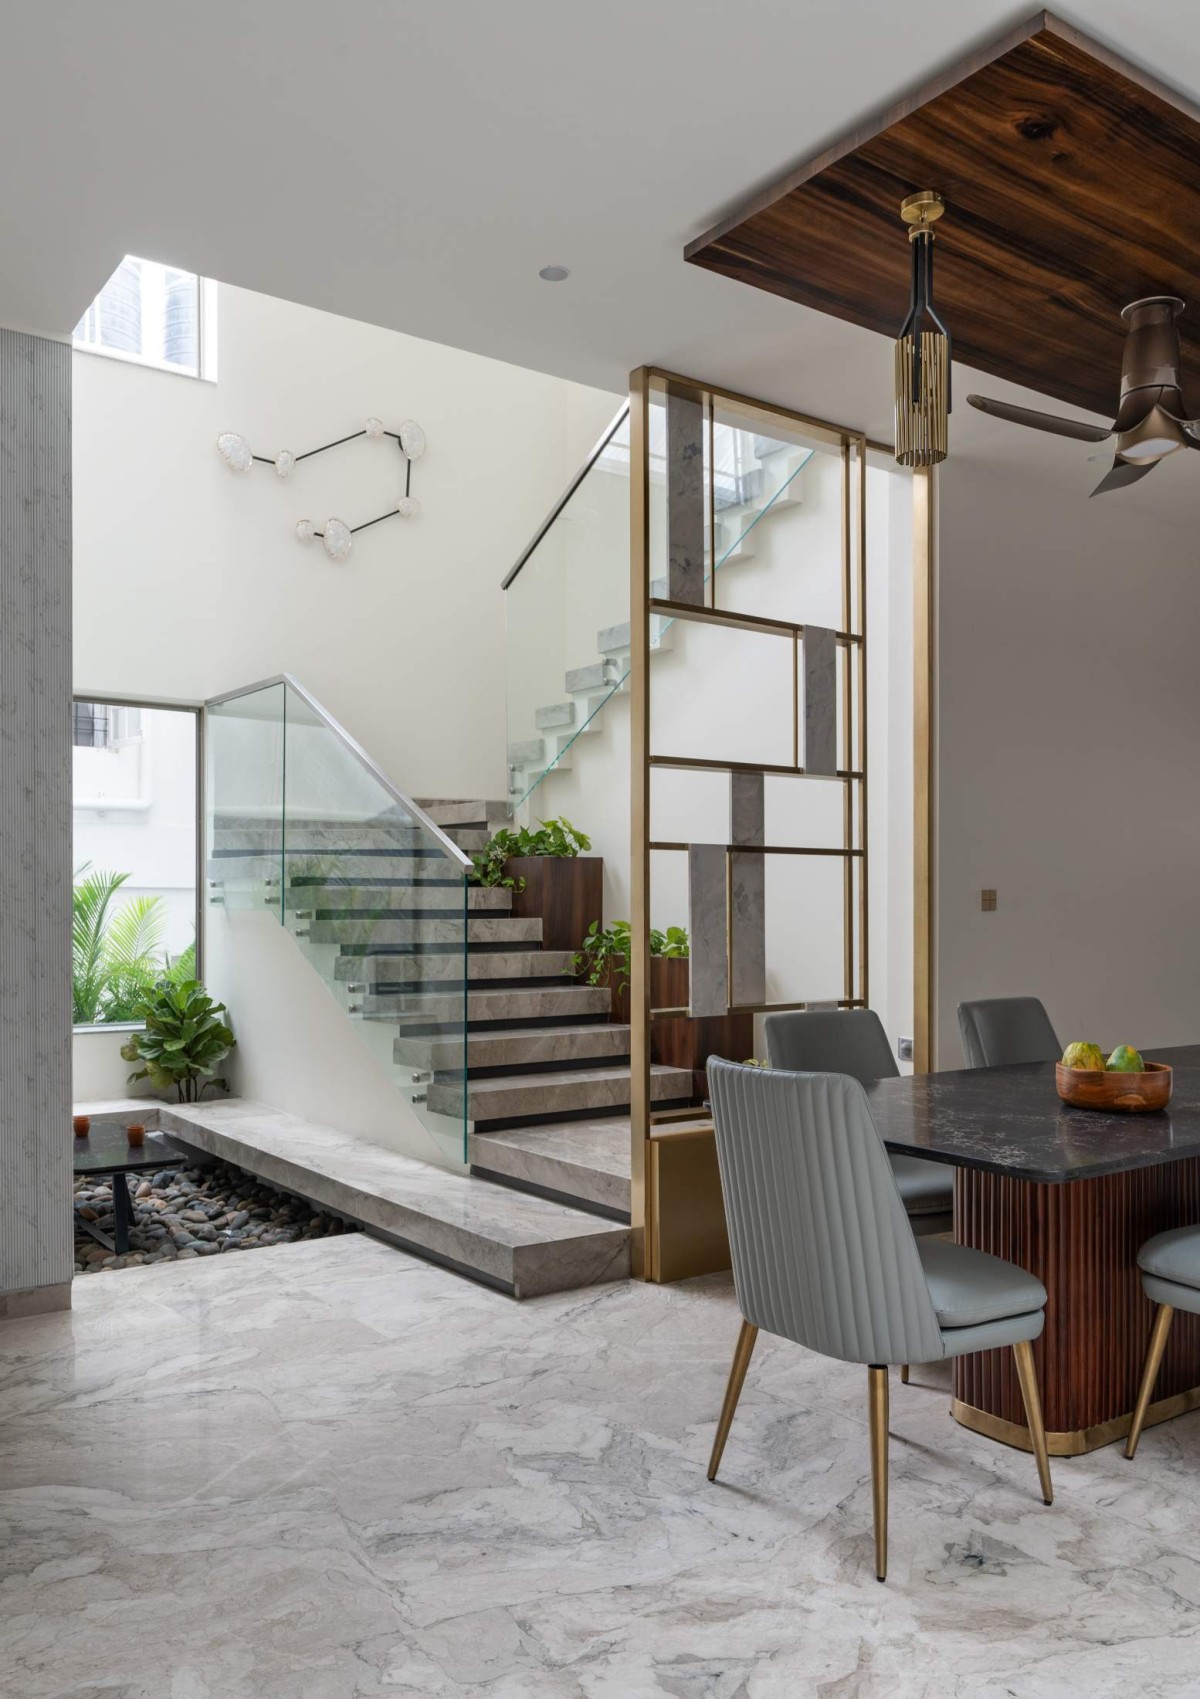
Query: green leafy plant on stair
point(604, 953)
point(184, 1042)
point(555, 837)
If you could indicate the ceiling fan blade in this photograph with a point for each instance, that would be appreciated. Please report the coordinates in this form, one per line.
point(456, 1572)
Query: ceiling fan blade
point(1041, 421)
point(1123, 472)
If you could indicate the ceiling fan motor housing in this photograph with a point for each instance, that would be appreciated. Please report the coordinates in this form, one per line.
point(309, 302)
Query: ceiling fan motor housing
point(1152, 357)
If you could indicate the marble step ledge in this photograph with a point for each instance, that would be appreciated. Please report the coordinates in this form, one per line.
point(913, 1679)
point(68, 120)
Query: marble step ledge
point(523, 1244)
point(330, 900)
point(484, 816)
point(480, 930)
point(514, 1096)
point(527, 1047)
point(283, 837)
point(299, 872)
point(418, 1009)
point(430, 967)
point(588, 1162)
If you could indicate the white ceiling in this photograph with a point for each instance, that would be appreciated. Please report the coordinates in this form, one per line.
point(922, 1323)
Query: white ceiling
point(415, 165)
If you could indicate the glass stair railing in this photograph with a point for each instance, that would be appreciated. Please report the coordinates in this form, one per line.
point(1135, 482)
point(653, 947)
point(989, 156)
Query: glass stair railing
point(301, 824)
point(567, 598)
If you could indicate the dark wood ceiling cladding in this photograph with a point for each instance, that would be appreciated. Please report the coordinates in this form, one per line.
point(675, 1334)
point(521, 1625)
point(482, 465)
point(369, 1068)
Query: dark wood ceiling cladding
point(1072, 186)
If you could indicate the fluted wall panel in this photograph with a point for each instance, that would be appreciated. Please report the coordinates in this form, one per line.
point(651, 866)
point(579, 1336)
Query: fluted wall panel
point(35, 821)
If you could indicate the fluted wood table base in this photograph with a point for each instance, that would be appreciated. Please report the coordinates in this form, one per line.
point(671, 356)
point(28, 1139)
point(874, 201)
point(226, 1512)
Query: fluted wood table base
point(1081, 1239)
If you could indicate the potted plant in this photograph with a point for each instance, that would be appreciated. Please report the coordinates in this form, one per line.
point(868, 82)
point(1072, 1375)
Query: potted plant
point(604, 960)
point(184, 1040)
point(550, 876)
point(679, 1041)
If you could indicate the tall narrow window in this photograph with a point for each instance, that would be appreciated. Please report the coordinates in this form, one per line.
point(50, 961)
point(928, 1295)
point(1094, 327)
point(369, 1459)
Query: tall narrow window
point(135, 847)
point(155, 315)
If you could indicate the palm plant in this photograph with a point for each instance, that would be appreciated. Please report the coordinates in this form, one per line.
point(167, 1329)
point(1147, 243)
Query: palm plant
point(116, 954)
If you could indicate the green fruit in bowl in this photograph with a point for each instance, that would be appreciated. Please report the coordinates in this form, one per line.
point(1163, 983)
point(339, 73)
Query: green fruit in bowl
point(1125, 1060)
point(1088, 1056)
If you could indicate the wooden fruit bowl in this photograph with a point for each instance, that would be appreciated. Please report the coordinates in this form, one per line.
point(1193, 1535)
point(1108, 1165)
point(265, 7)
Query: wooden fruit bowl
point(1130, 1094)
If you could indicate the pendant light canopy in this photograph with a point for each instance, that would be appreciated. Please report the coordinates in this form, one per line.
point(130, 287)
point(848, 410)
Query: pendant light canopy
point(922, 347)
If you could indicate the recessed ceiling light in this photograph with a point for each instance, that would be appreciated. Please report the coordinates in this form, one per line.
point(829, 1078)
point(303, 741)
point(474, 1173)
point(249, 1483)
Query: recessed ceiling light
point(554, 274)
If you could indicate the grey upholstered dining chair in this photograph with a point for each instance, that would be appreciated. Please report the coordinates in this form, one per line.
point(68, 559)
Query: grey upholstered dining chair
point(996, 1030)
point(1170, 1265)
point(824, 1254)
point(852, 1041)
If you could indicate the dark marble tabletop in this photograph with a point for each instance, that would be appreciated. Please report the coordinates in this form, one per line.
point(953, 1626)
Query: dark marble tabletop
point(1012, 1121)
point(107, 1150)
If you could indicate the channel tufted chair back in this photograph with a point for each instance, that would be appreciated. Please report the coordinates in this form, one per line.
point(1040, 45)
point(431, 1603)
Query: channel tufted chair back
point(823, 1253)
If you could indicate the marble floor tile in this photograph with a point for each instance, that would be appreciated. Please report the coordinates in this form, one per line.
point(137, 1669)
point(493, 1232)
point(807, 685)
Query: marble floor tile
point(349, 1475)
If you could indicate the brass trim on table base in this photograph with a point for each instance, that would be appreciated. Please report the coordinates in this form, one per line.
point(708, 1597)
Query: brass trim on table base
point(1082, 1440)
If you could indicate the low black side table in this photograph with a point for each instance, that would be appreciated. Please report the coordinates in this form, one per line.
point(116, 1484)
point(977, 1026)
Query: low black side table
point(107, 1150)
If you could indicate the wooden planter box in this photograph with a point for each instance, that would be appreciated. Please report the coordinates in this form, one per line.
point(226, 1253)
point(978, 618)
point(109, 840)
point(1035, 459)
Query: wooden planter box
point(686, 1041)
point(566, 892)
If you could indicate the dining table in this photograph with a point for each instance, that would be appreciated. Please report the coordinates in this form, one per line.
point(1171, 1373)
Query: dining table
point(1070, 1195)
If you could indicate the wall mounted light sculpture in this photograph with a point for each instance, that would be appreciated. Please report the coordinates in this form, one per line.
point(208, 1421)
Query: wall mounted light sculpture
point(336, 535)
point(922, 347)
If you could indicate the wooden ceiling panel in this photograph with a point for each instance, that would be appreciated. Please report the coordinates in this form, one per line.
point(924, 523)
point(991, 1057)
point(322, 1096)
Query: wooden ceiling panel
point(1072, 187)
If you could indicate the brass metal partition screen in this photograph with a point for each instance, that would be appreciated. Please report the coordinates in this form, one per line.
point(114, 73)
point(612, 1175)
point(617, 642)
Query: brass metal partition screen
point(748, 750)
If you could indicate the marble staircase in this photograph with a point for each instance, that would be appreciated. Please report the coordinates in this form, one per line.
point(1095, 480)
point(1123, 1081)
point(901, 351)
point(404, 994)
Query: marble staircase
point(379, 914)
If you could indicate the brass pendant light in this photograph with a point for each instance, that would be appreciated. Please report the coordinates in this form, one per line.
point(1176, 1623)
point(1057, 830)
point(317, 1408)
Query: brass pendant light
point(922, 347)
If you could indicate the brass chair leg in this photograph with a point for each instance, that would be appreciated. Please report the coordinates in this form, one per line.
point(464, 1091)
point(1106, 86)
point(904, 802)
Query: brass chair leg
point(904, 1374)
point(1163, 1317)
point(742, 1352)
point(877, 1399)
point(1033, 1415)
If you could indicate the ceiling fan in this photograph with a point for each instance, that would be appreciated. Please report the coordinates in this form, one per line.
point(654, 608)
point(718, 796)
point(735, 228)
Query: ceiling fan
point(1151, 419)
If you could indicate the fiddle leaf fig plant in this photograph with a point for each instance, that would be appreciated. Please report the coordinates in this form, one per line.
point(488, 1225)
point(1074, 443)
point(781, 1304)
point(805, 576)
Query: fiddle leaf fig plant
point(553, 837)
point(184, 1041)
point(605, 951)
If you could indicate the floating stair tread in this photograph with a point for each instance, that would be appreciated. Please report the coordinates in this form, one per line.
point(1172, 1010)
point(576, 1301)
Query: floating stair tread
point(554, 1093)
point(427, 965)
point(472, 813)
point(329, 898)
point(448, 932)
point(589, 1160)
point(524, 1241)
point(515, 1003)
point(554, 715)
point(593, 677)
point(517, 1047)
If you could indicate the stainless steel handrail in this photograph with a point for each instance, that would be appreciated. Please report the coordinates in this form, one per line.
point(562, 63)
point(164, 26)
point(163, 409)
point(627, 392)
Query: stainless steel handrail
point(447, 845)
point(582, 473)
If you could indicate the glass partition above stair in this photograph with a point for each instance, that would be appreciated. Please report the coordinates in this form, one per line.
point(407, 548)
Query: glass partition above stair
point(301, 824)
point(567, 597)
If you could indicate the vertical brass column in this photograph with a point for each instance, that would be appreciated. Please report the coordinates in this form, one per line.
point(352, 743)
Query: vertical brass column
point(641, 1213)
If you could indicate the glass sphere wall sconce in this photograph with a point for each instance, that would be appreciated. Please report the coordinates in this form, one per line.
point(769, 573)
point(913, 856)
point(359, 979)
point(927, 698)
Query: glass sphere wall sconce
point(335, 534)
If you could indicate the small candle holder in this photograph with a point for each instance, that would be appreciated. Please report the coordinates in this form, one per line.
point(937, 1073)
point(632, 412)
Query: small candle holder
point(82, 1125)
point(135, 1132)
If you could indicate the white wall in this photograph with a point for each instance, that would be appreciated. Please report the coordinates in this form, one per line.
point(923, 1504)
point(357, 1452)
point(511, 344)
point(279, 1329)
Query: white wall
point(99, 1071)
point(1068, 716)
point(189, 579)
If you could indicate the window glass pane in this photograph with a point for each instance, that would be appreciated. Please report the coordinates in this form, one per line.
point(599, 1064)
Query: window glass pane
point(146, 311)
point(135, 855)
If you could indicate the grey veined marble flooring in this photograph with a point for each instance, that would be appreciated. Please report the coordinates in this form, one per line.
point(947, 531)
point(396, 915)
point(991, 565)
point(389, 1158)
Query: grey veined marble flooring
point(332, 1471)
